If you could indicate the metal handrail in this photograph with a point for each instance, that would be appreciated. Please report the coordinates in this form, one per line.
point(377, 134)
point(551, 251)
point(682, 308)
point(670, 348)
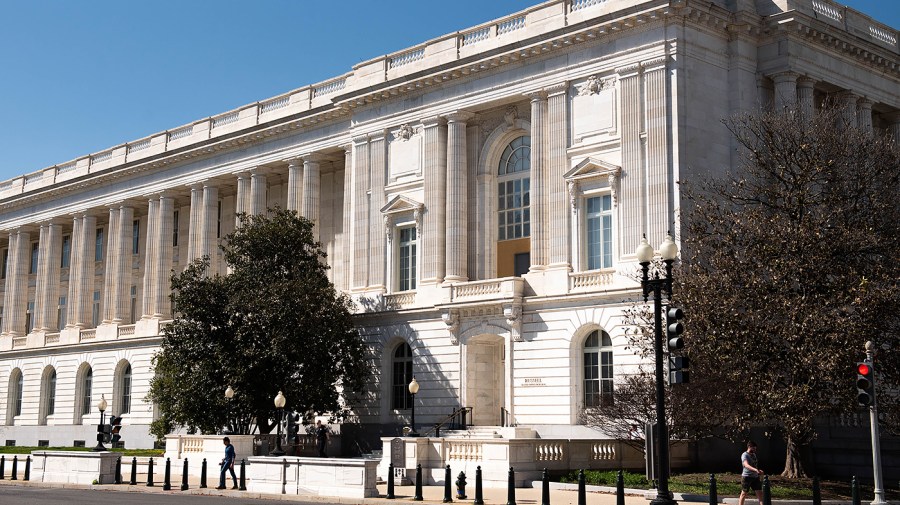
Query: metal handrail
point(457, 420)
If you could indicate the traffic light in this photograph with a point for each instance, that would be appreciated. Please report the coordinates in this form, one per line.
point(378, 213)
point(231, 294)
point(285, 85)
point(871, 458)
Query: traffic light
point(865, 383)
point(115, 426)
point(678, 370)
point(674, 328)
point(293, 428)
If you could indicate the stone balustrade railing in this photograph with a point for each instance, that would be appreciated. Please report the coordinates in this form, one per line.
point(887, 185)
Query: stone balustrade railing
point(591, 280)
point(507, 287)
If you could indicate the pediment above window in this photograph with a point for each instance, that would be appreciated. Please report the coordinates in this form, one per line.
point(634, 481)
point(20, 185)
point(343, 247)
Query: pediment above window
point(592, 171)
point(398, 208)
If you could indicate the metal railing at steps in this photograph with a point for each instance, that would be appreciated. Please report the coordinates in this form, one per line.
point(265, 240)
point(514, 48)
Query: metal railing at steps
point(458, 420)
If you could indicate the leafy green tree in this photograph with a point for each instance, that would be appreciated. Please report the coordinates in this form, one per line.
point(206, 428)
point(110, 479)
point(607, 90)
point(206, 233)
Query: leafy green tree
point(273, 323)
point(789, 265)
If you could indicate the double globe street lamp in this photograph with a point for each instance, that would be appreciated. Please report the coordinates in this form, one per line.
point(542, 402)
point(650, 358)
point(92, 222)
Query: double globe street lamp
point(668, 251)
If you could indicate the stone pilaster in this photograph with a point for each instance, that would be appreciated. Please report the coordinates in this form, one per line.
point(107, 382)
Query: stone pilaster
point(111, 270)
point(632, 183)
point(242, 198)
point(122, 278)
point(346, 226)
point(47, 292)
point(805, 97)
point(434, 245)
point(377, 181)
point(295, 185)
point(539, 233)
point(457, 205)
point(556, 197)
point(659, 219)
point(360, 237)
point(16, 299)
point(785, 90)
point(864, 115)
point(258, 189)
point(209, 220)
point(152, 247)
point(311, 187)
point(195, 223)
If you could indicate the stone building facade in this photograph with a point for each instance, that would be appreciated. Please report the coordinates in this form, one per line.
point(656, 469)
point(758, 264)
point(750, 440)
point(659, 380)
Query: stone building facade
point(480, 195)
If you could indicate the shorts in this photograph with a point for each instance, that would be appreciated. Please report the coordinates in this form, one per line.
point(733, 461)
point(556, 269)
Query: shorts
point(748, 483)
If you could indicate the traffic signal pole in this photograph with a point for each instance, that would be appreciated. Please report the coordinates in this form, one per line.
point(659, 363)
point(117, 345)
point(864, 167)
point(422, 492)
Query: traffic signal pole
point(876, 439)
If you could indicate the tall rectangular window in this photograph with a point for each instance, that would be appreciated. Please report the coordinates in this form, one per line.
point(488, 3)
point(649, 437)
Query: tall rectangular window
point(98, 245)
point(135, 236)
point(175, 230)
point(407, 259)
point(599, 232)
point(219, 220)
point(95, 310)
point(133, 304)
point(4, 263)
point(86, 387)
point(66, 251)
point(29, 318)
point(61, 313)
point(34, 258)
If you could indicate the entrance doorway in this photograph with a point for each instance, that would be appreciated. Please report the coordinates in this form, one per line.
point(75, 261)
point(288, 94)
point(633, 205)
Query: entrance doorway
point(485, 384)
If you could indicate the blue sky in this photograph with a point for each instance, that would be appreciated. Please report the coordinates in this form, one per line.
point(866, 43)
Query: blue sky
point(77, 77)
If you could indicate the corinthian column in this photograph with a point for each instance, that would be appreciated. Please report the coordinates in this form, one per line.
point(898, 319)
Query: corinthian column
point(160, 306)
point(785, 90)
point(295, 185)
point(864, 115)
point(893, 119)
point(557, 209)
point(242, 199)
point(47, 289)
point(311, 183)
point(257, 193)
point(434, 244)
point(151, 248)
point(360, 237)
point(632, 181)
point(209, 222)
point(196, 221)
point(457, 206)
point(111, 270)
point(81, 273)
point(805, 97)
point(848, 108)
point(377, 166)
point(16, 302)
point(539, 238)
point(123, 271)
point(346, 228)
point(658, 187)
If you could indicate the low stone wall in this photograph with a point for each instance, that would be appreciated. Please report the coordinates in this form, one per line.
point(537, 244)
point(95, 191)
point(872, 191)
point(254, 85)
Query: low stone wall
point(74, 467)
point(350, 478)
point(196, 448)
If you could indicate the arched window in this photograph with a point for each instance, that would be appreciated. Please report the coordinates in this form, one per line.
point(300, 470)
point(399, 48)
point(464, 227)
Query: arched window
point(401, 376)
point(598, 369)
point(122, 389)
point(48, 395)
point(14, 396)
point(84, 386)
point(514, 190)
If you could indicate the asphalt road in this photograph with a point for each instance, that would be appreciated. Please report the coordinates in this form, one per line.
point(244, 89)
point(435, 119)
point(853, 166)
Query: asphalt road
point(21, 495)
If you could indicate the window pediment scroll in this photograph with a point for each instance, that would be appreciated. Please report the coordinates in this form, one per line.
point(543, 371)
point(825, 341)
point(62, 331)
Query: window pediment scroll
point(592, 171)
point(398, 208)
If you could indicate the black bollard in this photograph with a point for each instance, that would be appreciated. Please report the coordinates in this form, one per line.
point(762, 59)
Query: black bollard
point(15, 468)
point(243, 486)
point(27, 468)
point(133, 481)
point(713, 490)
point(390, 491)
point(854, 491)
point(461, 486)
point(203, 475)
point(620, 488)
point(150, 473)
point(767, 491)
point(582, 494)
point(167, 477)
point(545, 488)
point(448, 490)
point(118, 470)
point(2, 466)
point(184, 484)
point(817, 492)
point(479, 496)
point(511, 488)
point(418, 496)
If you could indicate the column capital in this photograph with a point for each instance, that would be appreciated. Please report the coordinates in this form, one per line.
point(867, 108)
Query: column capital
point(559, 88)
point(847, 96)
point(806, 82)
point(786, 76)
point(864, 103)
point(359, 140)
point(315, 158)
point(431, 122)
point(630, 70)
point(536, 95)
point(459, 116)
point(653, 64)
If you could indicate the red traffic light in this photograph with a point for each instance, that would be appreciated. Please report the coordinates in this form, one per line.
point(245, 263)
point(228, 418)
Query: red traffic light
point(863, 369)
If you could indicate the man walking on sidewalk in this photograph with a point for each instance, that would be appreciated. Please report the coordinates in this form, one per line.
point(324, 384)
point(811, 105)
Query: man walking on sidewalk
point(750, 474)
point(227, 464)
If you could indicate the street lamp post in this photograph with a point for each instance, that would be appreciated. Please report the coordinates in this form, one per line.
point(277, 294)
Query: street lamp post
point(876, 437)
point(413, 389)
point(668, 250)
point(101, 406)
point(279, 408)
point(229, 394)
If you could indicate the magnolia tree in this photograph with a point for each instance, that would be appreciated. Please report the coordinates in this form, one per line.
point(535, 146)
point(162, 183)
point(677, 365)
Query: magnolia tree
point(273, 323)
